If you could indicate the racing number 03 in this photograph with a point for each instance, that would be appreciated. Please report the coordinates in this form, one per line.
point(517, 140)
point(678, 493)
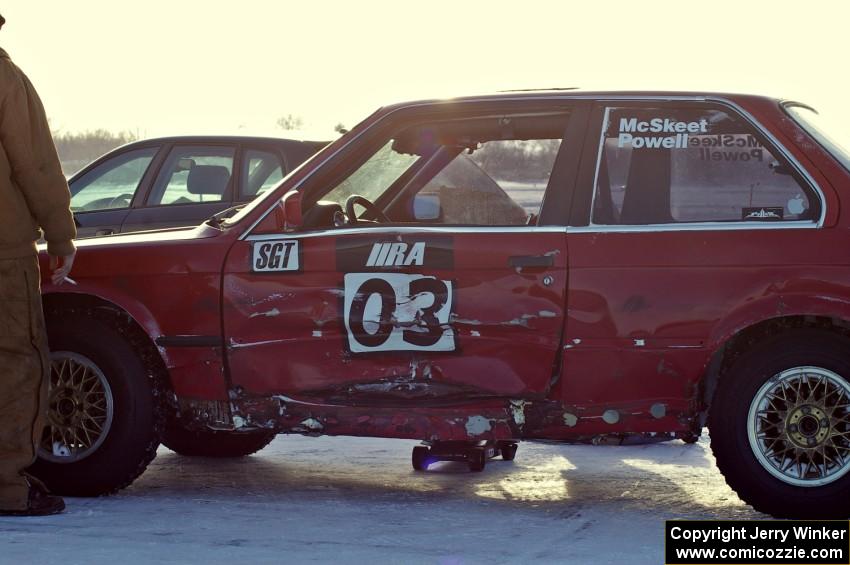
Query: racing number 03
point(398, 312)
point(357, 314)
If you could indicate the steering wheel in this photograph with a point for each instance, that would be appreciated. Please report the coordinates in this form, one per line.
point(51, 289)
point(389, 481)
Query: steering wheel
point(365, 203)
point(121, 201)
point(107, 203)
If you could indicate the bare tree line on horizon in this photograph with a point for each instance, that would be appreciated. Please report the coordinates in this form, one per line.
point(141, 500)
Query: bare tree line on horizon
point(78, 149)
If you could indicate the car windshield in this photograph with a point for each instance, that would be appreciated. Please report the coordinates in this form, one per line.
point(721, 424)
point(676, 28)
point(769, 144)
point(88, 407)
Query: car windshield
point(373, 177)
point(818, 127)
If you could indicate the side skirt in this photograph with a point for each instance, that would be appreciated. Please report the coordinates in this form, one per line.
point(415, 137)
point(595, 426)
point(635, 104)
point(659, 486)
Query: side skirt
point(490, 420)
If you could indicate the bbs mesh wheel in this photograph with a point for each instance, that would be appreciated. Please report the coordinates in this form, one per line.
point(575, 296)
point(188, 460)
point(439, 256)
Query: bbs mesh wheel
point(799, 426)
point(780, 425)
point(103, 423)
point(80, 409)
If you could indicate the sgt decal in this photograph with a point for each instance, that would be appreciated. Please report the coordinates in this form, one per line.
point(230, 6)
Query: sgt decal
point(279, 255)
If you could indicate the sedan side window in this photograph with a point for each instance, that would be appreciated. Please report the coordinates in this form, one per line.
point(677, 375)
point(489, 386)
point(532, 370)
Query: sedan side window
point(193, 175)
point(112, 184)
point(678, 165)
point(479, 171)
point(261, 170)
point(500, 182)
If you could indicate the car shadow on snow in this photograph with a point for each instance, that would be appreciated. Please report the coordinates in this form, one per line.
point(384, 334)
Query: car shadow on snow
point(669, 479)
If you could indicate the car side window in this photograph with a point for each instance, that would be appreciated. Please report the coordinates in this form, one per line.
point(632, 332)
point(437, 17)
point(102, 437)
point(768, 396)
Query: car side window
point(194, 175)
point(681, 165)
point(482, 171)
point(261, 170)
point(501, 182)
point(112, 184)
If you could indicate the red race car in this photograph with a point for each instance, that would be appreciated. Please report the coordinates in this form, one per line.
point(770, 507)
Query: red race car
point(558, 265)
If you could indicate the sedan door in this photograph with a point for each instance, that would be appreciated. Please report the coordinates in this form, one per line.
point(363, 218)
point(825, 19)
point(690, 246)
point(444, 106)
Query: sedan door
point(451, 285)
point(102, 193)
point(688, 213)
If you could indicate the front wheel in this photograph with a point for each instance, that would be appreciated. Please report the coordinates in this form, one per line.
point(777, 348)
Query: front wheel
point(103, 421)
point(780, 425)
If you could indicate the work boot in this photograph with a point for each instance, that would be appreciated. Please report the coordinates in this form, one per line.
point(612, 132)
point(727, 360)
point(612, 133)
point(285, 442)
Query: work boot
point(39, 503)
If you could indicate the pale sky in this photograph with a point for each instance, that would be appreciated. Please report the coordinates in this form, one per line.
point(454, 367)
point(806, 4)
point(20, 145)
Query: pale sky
point(167, 67)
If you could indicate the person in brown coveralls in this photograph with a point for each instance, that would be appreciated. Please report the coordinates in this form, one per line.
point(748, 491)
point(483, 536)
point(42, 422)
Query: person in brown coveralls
point(33, 195)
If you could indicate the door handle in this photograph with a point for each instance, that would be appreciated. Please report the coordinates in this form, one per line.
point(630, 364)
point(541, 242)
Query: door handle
point(531, 261)
point(104, 231)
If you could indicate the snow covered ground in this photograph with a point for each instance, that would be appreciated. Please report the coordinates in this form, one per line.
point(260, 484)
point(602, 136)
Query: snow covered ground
point(350, 500)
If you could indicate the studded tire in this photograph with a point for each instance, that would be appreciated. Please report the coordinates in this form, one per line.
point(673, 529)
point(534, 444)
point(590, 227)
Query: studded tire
point(213, 443)
point(780, 423)
point(124, 447)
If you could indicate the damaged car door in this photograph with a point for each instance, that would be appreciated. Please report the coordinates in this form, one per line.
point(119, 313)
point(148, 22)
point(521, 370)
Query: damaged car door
point(430, 264)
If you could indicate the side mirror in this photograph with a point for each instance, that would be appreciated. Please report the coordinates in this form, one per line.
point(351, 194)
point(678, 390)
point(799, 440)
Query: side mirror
point(426, 207)
point(284, 217)
point(291, 206)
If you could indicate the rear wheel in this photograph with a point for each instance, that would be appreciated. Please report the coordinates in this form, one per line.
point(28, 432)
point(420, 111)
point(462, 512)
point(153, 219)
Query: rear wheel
point(214, 443)
point(780, 425)
point(103, 421)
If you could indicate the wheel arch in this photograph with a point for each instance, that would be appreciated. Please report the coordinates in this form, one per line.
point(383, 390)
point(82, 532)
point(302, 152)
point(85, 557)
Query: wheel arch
point(61, 304)
point(726, 351)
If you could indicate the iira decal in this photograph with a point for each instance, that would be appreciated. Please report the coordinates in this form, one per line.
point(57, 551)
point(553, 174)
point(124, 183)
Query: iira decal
point(396, 254)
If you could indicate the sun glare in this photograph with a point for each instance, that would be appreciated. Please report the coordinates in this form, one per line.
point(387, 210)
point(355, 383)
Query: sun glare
point(190, 67)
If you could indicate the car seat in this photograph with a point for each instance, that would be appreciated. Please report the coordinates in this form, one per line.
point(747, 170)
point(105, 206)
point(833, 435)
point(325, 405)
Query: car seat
point(208, 179)
point(647, 198)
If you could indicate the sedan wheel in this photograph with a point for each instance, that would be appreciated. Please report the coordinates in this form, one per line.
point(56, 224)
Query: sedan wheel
point(780, 424)
point(104, 417)
point(799, 426)
point(80, 409)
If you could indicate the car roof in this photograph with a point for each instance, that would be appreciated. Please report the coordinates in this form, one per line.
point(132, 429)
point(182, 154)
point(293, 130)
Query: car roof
point(206, 138)
point(283, 142)
point(579, 94)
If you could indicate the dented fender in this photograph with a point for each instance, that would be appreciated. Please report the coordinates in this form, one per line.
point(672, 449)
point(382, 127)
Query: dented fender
point(822, 301)
point(169, 283)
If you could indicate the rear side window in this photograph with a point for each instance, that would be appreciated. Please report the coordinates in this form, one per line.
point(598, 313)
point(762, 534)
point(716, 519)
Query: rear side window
point(677, 165)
